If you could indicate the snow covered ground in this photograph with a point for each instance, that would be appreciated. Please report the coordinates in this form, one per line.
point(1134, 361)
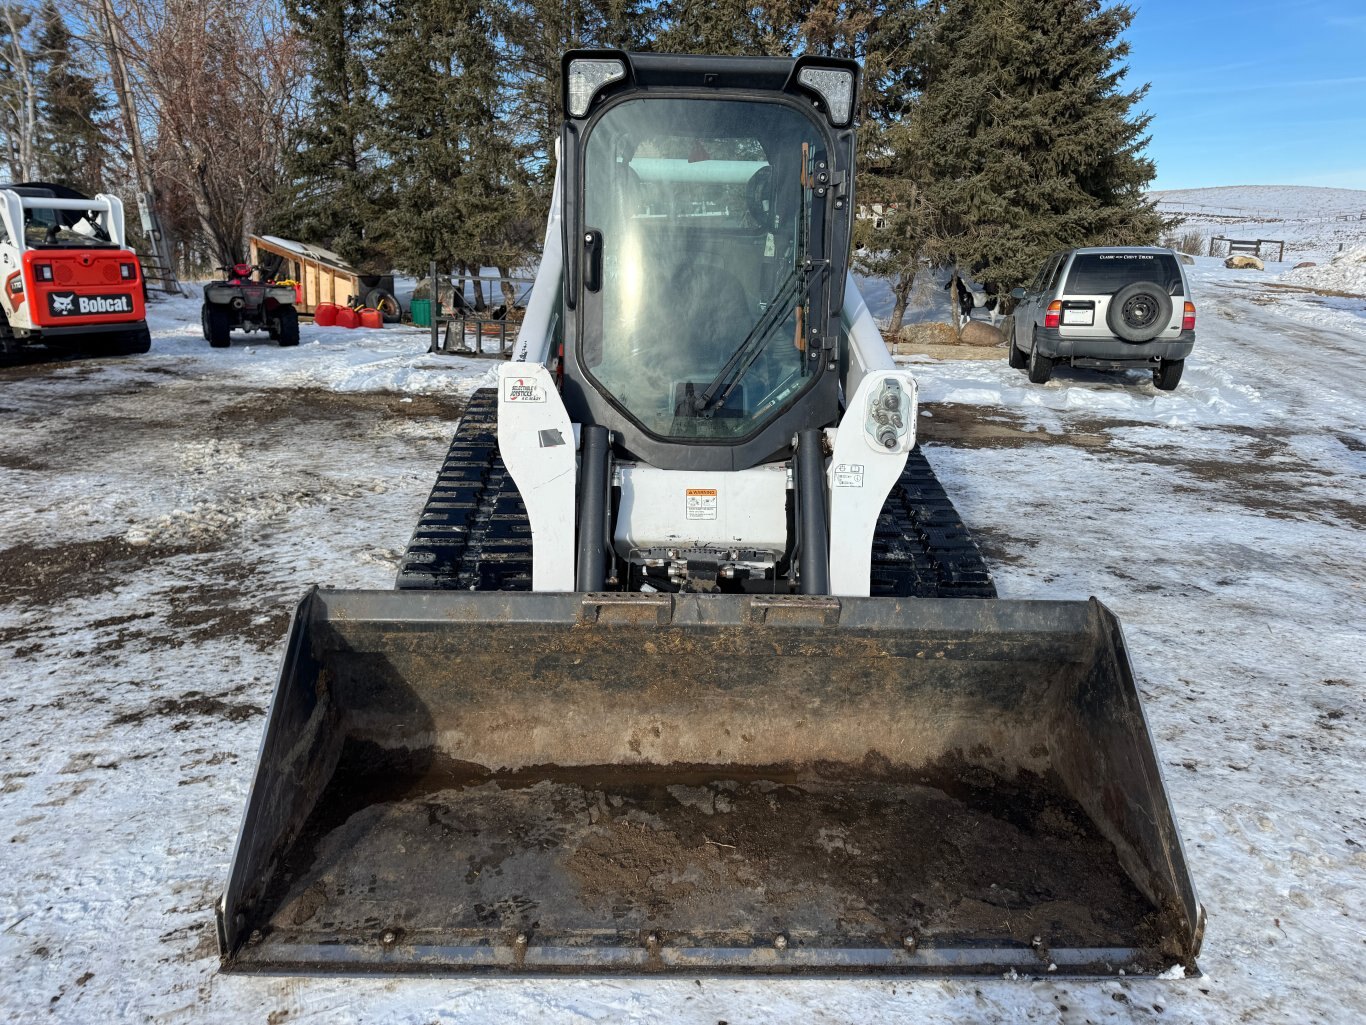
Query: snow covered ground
point(1345, 272)
point(164, 512)
point(1313, 222)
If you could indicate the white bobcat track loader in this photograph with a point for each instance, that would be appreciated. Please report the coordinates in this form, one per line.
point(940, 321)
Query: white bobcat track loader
point(691, 665)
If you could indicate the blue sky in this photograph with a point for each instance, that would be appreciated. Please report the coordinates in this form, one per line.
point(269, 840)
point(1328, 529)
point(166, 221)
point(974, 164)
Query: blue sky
point(1254, 93)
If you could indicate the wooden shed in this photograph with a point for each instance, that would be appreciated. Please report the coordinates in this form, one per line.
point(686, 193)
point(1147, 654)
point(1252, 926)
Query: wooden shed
point(322, 276)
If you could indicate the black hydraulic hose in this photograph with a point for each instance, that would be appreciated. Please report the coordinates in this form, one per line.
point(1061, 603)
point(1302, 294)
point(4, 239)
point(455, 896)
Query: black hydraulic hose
point(815, 536)
point(591, 564)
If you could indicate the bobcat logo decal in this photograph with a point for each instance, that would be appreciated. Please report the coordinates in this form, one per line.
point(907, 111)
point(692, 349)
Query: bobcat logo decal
point(71, 304)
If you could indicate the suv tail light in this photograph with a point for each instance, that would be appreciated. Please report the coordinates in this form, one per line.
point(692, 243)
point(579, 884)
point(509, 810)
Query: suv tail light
point(1188, 318)
point(42, 271)
point(1053, 315)
point(129, 271)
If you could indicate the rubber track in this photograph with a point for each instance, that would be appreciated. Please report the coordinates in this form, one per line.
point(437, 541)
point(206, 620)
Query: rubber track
point(921, 549)
point(474, 534)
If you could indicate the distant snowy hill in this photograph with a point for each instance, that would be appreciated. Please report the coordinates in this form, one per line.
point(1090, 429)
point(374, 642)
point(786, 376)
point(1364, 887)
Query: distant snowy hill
point(1313, 222)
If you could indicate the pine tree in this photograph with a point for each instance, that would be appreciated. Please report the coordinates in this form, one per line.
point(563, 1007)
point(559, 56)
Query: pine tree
point(74, 125)
point(887, 39)
point(535, 34)
point(1024, 137)
point(745, 27)
point(455, 169)
point(334, 193)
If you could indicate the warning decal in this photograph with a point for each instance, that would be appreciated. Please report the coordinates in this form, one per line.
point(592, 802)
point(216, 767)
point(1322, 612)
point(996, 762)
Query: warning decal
point(848, 475)
point(522, 389)
point(701, 504)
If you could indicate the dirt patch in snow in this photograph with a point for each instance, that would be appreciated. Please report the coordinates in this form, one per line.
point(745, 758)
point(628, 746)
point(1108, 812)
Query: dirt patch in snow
point(1264, 474)
point(314, 404)
point(193, 705)
point(1272, 483)
point(205, 613)
point(20, 461)
point(999, 547)
point(37, 361)
point(48, 575)
point(964, 426)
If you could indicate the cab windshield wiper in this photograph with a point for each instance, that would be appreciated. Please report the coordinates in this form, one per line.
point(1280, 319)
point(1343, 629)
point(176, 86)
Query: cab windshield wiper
point(714, 396)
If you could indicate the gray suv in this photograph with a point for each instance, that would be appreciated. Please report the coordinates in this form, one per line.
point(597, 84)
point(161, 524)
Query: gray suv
point(1105, 308)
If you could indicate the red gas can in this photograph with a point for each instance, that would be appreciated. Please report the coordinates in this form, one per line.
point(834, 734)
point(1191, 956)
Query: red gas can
point(370, 317)
point(325, 314)
point(347, 317)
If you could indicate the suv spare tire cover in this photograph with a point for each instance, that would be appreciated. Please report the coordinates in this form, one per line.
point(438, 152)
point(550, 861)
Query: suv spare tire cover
point(1139, 312)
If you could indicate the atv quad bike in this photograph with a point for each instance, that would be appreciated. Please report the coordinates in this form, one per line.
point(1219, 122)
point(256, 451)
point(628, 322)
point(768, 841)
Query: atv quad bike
point(240, 304)
point(691, 665)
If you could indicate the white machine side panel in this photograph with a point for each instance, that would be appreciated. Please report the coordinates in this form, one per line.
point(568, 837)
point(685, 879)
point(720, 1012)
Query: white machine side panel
point(115, 223)
point(863, 470)
point(12, 213)
point(537, 442)
point(867, 351)
point(691, 508)
point(533, 338)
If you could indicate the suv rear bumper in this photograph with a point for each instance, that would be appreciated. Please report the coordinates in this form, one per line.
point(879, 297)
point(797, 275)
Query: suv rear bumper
point(1112, 353)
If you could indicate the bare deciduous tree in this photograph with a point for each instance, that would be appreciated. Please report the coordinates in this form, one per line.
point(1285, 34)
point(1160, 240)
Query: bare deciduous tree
point(216, 85)
point(18, 95)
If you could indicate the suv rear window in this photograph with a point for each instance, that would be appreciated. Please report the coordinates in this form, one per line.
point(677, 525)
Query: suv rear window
point(1107, 273)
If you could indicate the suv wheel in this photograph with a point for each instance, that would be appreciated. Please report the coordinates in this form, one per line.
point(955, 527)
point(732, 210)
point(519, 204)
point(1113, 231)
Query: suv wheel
point(1139, 312)
point(1168, 374)
point(1040, 367)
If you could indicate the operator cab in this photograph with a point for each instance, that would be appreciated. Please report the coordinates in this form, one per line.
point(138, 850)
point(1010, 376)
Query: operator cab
point(47, 228)
point(703, 294)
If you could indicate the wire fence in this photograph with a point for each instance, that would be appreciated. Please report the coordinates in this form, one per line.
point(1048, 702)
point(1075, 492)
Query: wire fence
point(1249, 214)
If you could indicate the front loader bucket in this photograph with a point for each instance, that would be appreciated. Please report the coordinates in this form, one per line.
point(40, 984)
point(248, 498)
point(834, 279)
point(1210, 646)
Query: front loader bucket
point(457, 781)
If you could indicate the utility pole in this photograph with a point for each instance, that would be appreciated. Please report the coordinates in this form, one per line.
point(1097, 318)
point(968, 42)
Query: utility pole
point(163, 264)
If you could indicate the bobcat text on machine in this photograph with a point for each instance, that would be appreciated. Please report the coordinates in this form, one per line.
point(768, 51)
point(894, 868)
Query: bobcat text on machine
point(70, 281)
point(691, 665)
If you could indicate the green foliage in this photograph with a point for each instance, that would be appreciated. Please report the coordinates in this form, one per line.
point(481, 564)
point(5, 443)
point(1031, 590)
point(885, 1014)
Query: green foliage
point(890, 48)
point(992, 132)
point(759, 27)
point(457, 174)
point(534, 35)
point(1024, 137)
point(334, 194)
point(74, 123)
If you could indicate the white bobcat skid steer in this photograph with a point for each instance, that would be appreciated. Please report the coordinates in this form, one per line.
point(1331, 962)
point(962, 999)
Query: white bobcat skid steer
point(691, 665)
